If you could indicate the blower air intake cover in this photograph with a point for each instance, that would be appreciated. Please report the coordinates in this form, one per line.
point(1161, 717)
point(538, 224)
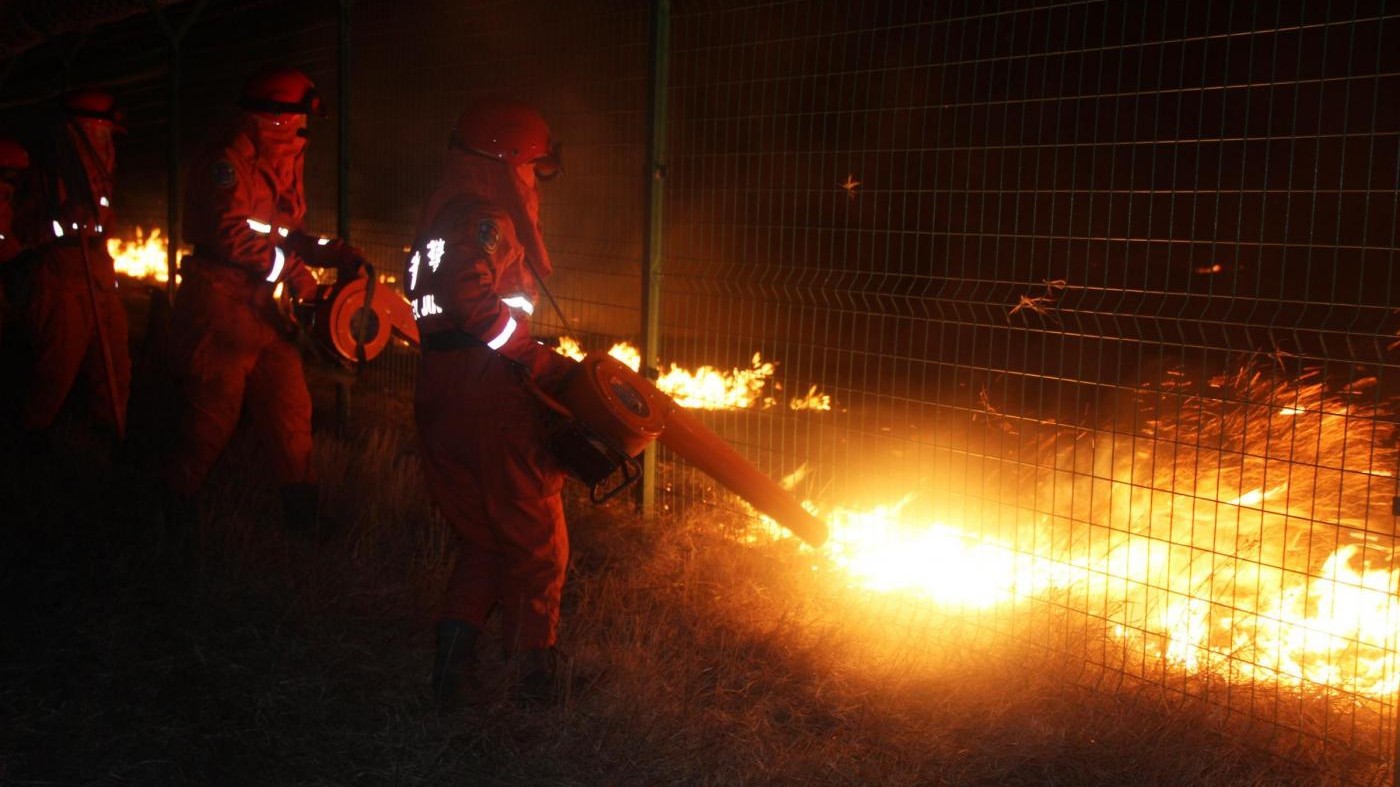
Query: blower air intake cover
point(616, 403)
point(342, 317)
point(615, 416)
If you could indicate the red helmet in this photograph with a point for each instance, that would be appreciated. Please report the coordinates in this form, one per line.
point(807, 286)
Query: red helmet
point(12, 155)
point(508, 131)
point(281, 90)
point(94, 105)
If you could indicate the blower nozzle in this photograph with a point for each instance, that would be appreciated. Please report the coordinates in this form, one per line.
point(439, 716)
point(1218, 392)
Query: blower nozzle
point(622, 413)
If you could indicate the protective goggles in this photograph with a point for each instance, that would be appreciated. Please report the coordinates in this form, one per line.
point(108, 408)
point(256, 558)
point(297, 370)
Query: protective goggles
point(113, 116)
point(551, 165)
point(310, 104)
point(547, 167)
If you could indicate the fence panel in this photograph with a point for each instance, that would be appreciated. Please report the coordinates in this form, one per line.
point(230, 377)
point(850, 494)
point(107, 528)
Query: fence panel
point(1103, 290)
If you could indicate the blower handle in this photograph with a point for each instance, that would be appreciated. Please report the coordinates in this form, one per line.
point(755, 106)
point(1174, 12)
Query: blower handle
point(370, 280)
point(631, 474)
point(631, 469)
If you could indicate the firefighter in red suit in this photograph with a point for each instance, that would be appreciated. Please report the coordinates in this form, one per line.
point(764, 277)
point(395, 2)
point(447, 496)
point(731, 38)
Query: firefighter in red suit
point(14, 160)
point(471, 282)
point(231, 340)
point(76, 321)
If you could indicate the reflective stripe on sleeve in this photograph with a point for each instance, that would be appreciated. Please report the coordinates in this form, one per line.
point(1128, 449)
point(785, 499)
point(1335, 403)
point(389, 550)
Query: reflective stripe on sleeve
point(519, 302)
point(261, 227)
point(504, 336)
point(279, 258)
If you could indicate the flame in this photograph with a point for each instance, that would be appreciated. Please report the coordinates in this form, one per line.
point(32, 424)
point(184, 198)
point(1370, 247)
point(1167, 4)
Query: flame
point(708, 387)
point(1232, 541)
point(142, 258)
point(882, 550)
point(813, 400)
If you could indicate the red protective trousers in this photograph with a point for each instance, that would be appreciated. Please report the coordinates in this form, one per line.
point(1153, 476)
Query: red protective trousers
point(229, 352)
point(488, 469)
point(67, 334)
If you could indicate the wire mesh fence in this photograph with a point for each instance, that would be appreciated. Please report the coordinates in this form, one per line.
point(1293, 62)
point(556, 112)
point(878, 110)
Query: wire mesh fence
point(1077, 311)
point(1107, 288)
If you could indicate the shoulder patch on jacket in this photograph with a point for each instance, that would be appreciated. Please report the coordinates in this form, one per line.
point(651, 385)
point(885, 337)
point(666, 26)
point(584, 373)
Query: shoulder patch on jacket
point(223, 174)
point(488, 235)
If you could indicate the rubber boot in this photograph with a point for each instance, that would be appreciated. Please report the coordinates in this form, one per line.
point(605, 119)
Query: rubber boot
point(179, 513)
point(301, 513)
point(176, 531)
point(36, 445)
point(455, 683)
point(542, 681)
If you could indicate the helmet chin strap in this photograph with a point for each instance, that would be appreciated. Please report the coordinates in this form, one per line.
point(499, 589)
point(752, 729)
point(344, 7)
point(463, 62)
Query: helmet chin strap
point(528, 206)
point(544, 288)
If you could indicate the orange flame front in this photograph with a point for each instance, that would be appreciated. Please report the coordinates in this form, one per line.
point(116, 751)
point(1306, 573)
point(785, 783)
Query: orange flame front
point(1238, 537)
point(142, 258)
point(708, 387)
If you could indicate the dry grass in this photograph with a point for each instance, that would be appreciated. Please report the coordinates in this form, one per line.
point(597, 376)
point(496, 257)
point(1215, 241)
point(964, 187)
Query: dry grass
point(266, 660)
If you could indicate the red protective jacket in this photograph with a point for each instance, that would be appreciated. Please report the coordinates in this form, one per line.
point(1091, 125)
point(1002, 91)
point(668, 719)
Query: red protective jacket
point(229, 342)
point(483, 432)
point(468, 274)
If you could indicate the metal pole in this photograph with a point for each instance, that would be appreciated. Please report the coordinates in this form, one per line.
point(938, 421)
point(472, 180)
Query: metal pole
point(9, 68)
point(104, 342)
point(342, 207)
point(68, 57)
point(653, 246)
point(172, 172)
point(173, 205)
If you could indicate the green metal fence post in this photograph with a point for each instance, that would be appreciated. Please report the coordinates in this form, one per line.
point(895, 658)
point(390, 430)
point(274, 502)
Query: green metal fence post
point(175, 35)
point(342, 189)
point(653, 246)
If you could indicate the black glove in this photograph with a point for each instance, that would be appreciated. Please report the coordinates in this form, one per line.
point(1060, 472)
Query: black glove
point(300, 283)
point(334, 253)
point(346, 259)
point(552, 370)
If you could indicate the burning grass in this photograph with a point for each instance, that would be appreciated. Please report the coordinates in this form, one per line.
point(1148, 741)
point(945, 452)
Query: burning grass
point(709, 387)
point(141, 257)
point(1243, 525)
point(1238, 526)
point(270, 660)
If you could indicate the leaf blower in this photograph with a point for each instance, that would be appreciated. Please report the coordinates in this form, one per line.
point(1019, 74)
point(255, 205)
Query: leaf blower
point(355, 318)
point(611, 414)
point(607, 414)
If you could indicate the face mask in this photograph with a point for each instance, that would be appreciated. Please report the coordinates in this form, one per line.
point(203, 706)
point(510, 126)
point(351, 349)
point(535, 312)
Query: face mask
point(281, 144)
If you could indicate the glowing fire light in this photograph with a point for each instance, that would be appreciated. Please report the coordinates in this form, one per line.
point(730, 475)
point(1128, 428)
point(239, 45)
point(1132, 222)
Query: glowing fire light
point(813, 400)
point(142, 258)
point(1229, 539)
point(707, 388)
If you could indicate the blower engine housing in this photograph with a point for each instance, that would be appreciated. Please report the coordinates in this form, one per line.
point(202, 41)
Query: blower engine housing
point(342, 317)
point(615, 413)
point(608, 421)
